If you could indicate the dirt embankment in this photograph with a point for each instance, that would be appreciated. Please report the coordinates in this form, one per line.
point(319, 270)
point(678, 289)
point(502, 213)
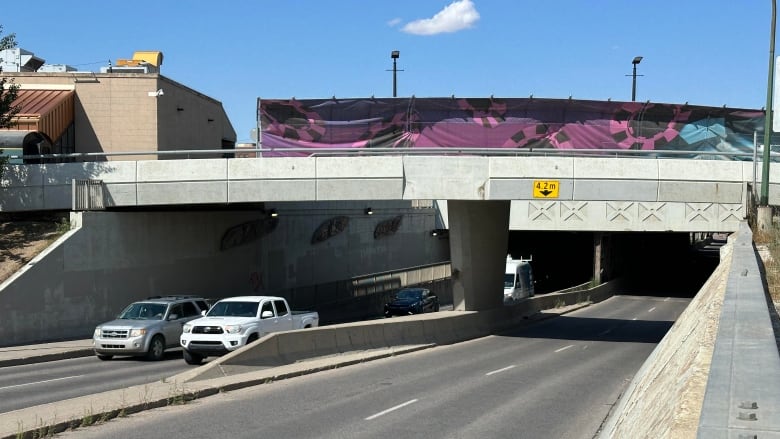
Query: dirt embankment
point(22, 237)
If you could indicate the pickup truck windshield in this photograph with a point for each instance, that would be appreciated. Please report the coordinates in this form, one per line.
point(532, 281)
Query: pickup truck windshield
point(233, 309)
point(144, 311)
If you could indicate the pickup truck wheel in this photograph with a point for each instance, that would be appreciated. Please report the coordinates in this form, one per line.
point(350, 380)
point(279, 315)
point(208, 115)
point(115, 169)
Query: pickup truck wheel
point(105, 357)
point(193, 359)
point(251, 338)
point(156, 348)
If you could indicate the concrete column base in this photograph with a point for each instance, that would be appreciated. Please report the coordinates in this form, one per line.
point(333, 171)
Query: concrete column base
point(479, 236)
point(764, 218)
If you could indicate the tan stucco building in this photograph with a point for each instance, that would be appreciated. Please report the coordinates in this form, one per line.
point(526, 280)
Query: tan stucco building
point(119, 111)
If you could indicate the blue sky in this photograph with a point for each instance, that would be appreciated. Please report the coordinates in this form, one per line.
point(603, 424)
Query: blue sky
point(713, 52)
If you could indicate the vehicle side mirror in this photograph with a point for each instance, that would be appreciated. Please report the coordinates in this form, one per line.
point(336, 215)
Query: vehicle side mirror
point(173, 317)
point(266, 314)
point(203, 313)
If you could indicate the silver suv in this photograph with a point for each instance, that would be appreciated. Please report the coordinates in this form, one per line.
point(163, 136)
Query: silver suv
point(148, 327)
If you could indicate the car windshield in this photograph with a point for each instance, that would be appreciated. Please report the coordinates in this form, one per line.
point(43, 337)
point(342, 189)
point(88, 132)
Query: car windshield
point(408, 294)
point(144, 311)
point(509, 280)
point(233, 309)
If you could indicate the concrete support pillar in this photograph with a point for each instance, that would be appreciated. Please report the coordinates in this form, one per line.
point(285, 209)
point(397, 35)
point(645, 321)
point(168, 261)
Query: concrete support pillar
point(479, 238)
point(764, 218)
point(598, 241)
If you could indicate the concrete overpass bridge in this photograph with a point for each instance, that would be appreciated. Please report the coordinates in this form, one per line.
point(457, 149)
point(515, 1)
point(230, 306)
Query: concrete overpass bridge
point(483, 194)
point(486, 196)
point(578, 192)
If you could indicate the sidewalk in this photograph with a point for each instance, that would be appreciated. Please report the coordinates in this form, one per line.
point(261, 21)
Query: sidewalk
point(38, 353)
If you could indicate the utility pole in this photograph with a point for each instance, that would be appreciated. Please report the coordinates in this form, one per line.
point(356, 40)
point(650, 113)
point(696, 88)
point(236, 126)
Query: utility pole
point(394, 55)
point(637, 60)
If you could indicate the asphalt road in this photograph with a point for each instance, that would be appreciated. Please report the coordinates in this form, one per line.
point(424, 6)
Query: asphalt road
point(34, 384)
point(555, 379)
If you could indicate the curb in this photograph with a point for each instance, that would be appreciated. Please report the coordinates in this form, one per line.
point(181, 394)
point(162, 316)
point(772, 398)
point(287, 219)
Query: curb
point(174, 393)
point(33, 359)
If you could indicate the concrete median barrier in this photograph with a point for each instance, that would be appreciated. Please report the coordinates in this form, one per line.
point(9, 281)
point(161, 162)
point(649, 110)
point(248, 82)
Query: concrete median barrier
point(440, 328)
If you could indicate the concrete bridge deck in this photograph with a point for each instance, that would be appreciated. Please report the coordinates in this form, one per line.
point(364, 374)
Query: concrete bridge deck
point(586, 193)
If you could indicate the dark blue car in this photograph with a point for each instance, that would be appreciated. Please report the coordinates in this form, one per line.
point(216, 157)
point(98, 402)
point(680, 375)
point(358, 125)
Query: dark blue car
point(412, 301)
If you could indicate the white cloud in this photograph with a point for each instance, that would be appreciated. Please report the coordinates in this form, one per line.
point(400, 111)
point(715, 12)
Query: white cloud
point(394, 22)
point(458, 15)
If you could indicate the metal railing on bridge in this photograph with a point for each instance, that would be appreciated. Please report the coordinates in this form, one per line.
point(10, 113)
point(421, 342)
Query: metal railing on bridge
point(476, 151)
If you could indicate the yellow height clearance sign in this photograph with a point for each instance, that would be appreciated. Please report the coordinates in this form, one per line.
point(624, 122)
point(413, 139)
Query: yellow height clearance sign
point(546, 188)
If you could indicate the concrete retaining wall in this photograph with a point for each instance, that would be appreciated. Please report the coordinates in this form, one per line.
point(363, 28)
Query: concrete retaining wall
point(110, 259)
point(716, 373)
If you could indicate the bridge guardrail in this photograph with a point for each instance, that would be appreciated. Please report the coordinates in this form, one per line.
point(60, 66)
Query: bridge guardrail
point(314, 152)
point(742, 396)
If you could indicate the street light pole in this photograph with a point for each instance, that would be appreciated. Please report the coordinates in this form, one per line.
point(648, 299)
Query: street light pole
point(637, 60)
point(764, 198)
point(395, 54)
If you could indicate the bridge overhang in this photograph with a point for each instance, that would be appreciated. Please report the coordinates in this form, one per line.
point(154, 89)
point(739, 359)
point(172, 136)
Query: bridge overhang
point(608, 194)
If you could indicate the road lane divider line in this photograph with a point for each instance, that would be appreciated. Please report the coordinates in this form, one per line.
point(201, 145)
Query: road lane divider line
point(651, 309)
point(41, 382)
point(503, 369)
point(391, 409)
point(564, 348)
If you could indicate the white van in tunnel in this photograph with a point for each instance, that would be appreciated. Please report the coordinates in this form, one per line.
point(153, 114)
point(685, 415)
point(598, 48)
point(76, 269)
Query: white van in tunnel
point(518, 279)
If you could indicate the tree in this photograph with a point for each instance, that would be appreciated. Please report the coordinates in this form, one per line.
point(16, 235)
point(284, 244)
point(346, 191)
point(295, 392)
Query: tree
point(8, 92)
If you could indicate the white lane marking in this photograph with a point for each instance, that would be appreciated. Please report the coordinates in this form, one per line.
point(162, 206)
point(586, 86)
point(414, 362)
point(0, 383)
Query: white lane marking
point(634, 318)
point(41, 382)
point(500, 370)
point(564, 348)
point(667, 299)
point(391, 409)
point(651, 309)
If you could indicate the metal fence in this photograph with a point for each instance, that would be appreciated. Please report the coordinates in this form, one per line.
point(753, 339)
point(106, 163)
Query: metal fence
point(88, 195)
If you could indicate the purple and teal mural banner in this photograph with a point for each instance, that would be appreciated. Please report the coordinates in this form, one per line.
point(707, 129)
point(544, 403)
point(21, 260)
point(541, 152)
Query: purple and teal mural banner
point(504, 123)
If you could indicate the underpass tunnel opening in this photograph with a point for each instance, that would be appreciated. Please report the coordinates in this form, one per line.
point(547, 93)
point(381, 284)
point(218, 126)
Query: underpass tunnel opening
point(664, 263)
point(559, 259)
point(651, 263)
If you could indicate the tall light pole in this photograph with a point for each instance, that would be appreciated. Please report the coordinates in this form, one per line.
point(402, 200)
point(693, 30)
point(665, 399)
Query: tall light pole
point(395, 54)
point(764, 198)
point(637, 60)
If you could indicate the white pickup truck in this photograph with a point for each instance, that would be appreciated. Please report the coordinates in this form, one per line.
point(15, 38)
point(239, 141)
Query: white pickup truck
point(236, 321)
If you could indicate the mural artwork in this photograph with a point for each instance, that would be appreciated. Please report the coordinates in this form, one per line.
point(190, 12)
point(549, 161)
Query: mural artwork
point(530, 123)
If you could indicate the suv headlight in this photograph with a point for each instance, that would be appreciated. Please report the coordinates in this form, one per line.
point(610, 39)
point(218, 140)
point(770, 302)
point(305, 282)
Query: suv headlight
point(137, 332)
point(98, 332)
point(232, 329)
point(187, 328)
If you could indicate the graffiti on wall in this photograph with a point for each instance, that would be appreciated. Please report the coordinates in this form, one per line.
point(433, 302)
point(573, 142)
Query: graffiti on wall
point(387, 227)
point(247, 232)
point(256, 281)
point(329, 229)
